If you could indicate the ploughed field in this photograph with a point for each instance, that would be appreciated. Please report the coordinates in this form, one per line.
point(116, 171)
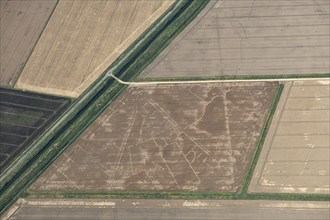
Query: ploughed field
point(250, 38)
point(23, 115)
point(187, 137)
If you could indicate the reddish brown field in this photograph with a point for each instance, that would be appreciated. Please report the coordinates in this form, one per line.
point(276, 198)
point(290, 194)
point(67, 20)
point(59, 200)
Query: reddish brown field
point(197, 137)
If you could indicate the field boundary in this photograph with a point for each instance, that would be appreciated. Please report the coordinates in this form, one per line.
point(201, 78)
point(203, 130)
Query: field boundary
point(267, 122)
point(29, 55)
point(94, 100)
point(38, 93)
point(175, 195)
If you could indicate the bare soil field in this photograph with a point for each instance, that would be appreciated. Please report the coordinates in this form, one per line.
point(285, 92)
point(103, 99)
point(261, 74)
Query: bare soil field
point(23, 115)
point(295, 157)
point(250, 37)
point(86, 209)
point(22, 22)
point(82, 39)
point(188, 137)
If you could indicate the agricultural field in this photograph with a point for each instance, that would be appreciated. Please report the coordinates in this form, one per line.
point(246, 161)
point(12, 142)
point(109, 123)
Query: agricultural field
point(295, 157)
point(250, 38)
point(187, 137)
point(82, 39)
point(130, 209)
point(135, 150)
point(21, 25)
point(23, 115)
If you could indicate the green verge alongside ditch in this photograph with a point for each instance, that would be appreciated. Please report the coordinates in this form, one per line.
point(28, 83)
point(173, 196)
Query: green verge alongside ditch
point(94, 100)
point(242, 194)
point(268, 120)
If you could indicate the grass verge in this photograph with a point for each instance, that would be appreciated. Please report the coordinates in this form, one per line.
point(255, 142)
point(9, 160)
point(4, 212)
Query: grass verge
point(254, 160)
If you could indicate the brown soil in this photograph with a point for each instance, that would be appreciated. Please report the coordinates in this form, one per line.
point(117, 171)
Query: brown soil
point(196, 137)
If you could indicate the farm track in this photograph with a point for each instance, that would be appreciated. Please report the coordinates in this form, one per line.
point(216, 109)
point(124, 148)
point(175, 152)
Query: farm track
point(178, 81)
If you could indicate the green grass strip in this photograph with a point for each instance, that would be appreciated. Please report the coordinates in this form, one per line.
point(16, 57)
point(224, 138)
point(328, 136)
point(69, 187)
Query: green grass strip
point(263, 135)
point(175, 195)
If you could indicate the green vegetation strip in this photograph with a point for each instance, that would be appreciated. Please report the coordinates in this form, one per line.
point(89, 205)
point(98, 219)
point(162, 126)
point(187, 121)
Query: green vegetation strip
point(175, 195)
point(235, 77)
point(94, 100)
point(263, 135)
point(243, 194)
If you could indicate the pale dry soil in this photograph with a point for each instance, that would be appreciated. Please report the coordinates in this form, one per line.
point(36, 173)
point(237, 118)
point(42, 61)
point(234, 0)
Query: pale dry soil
point(86, 209)
point(188, 137)
point(82, 39)
point(295, 157)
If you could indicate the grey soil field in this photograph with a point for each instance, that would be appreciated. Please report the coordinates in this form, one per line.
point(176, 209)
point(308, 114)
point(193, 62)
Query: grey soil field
point(40, 209)
point(184, 137)
point(82, 39)
point(23, 116)
point(22, 22)
point(250, 37)
point(295, 157)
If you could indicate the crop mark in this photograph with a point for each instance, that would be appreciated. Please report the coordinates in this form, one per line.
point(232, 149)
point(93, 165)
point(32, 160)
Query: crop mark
point(151, 145)
point(168, 168)
point(124, 142)
point(70, 180)
point(192, 169)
